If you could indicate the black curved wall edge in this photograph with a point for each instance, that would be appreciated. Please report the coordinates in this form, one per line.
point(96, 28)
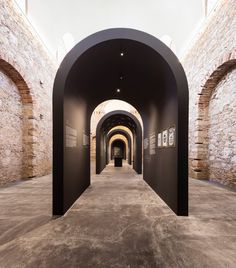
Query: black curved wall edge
point(101, 139)
point(125, 134)
point(154, 83)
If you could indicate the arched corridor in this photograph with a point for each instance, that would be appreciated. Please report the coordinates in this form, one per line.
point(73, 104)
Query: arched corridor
point(135, 67)
point(117, 134)
point(109, 122)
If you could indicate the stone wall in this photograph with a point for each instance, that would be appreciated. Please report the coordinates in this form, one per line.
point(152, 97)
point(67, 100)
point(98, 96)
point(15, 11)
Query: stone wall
point(209, 65)
point(26, 66)
point(222, 131)
point(11, 129)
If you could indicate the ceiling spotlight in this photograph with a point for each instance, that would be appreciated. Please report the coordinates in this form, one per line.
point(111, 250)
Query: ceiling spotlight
point(121, 77)
point(118, 90)
point(121, 54)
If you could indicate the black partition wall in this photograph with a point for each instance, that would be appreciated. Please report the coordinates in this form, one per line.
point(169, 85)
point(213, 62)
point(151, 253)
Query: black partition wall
point(109, 121)
point(127, 136)
point(136, 67)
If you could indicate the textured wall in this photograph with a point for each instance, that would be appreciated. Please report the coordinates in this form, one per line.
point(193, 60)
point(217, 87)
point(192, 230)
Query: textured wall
point(25, 62)
point(11, 130)
point(208, 65)
point(222, 131)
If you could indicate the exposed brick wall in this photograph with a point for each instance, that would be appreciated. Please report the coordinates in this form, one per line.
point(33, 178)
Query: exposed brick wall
point(208, 65)
point(24, 60)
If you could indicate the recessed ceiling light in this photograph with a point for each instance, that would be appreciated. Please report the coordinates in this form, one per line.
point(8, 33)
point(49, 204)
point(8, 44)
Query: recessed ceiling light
point(118, 90)
point(122, 54)
point(121, 77)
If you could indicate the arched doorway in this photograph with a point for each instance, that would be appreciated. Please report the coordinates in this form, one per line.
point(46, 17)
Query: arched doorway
point(118, 149)
point(212, 152)
point(125, 134)
point(18, 145)
point(136, 67)
point(109, 121)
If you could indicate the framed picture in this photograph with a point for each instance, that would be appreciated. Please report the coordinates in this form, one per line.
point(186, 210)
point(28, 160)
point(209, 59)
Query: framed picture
point(159, 140)
point(171, 136)
point(165, 138)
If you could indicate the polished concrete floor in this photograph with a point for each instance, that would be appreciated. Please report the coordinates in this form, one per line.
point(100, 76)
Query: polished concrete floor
point(118, 222)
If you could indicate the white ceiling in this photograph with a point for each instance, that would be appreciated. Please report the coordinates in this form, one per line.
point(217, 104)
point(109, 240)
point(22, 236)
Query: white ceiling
point(53, 18)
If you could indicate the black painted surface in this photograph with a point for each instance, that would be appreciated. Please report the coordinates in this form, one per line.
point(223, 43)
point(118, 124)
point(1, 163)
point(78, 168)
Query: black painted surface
point(154, 83)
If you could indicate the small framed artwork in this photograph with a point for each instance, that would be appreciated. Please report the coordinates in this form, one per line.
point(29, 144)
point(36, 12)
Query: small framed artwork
point(159, 140)
point(171, 136)
point(165, 138)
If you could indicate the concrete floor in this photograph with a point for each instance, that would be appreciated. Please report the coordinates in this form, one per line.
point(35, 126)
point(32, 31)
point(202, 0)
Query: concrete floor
point(118, 222)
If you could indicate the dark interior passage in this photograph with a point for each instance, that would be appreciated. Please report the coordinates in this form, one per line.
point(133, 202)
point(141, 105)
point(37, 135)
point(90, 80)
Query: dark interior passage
point(135, 67)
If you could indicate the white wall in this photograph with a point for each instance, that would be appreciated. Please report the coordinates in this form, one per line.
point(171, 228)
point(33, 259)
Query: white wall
point(54, 18)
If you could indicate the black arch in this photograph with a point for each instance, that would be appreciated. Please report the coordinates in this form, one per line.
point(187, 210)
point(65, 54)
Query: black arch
point(125, 134)
point(156, 85)
point(123, 144)
point(101, 135)
point(117, 140)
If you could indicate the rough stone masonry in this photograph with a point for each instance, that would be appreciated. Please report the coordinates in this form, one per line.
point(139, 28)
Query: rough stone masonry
point(26, 78)
point(210, 67)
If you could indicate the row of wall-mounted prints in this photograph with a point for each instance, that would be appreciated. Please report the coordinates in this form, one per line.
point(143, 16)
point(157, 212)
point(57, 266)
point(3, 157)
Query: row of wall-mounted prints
point(164, 139)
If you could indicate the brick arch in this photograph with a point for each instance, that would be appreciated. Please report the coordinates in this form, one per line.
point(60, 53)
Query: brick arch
point(28, 117)
point(199, 165)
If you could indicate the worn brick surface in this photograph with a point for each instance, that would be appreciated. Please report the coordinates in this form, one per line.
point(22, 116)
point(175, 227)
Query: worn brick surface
point(11, 130)
point(210, 67)
point(27, 75)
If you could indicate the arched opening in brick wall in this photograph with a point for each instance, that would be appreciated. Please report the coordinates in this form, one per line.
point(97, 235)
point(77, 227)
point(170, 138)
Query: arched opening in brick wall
point(214, 143)
point(21, 144)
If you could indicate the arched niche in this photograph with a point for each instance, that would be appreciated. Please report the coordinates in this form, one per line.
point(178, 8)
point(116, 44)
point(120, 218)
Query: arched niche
point(153, 81)
point(200, 155)
point(28, 126)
